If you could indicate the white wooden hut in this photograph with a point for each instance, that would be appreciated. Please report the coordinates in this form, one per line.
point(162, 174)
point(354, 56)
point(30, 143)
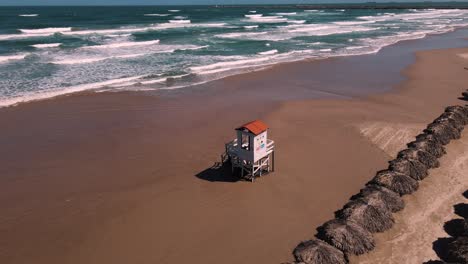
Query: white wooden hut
point(251, 151)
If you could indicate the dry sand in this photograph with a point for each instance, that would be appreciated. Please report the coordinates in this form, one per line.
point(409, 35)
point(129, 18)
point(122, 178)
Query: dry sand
point(420, 224)
point(108, 178)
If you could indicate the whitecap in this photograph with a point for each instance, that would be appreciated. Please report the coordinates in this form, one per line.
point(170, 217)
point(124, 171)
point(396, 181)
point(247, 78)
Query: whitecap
point(241, 35)
point(79, 61)
point(296, 21)
point(123, 44)
point(194, 48)
point(45, 46)
point(118, 35)
point(251, 27)
point(158, 15)
point(180, 21)
point(270, 52)
point(356, 47)
point(173, 10)
point(8, 58)
point(251, 16)
point(28, 15)
point(268, 19)
point(46, 30)
point(286, 14)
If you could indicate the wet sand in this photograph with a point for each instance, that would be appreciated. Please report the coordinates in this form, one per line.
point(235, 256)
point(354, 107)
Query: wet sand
point(126, 178)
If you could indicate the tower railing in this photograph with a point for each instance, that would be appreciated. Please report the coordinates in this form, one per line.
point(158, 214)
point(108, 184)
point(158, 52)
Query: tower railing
point(250, 169)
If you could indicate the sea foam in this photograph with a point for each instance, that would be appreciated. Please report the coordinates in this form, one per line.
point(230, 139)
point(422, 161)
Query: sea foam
point(34, 96)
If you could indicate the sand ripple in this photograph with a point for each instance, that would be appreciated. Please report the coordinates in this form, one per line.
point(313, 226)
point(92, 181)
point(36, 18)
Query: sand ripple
point(390, 137)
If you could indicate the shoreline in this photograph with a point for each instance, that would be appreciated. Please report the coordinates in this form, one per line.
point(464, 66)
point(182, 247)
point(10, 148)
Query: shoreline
point(114, 178)
point(79, 91)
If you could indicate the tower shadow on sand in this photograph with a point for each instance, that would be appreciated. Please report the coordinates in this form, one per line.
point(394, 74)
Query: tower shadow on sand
point(219, 172)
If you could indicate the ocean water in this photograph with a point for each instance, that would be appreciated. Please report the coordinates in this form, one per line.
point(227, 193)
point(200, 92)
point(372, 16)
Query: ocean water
point(49, 51)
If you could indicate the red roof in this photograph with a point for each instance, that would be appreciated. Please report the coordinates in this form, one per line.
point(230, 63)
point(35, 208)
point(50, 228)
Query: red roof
point(255, 127)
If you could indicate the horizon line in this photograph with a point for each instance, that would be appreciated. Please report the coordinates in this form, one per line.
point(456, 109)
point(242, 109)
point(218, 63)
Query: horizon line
point(272, 4)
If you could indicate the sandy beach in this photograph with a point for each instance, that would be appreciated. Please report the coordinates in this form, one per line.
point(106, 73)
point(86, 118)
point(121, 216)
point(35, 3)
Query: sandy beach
point(127, 178)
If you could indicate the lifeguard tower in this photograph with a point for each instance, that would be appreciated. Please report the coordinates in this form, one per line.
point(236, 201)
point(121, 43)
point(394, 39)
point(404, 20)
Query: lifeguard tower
point(251, 151)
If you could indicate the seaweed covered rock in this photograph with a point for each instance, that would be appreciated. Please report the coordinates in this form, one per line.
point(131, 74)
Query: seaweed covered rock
point(428, 145)
point(347, 236)
point(454, 118)
point(426, 158)
point(395, 181)
point(430, 137)
point(443, 131)
point(462, 110)
point(316, 251)
point(457, 250)
point(413, 168)
point(369, 212)
point(390, 199)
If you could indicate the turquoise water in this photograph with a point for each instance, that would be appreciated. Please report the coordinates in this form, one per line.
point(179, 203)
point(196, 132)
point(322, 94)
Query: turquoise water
point(48, 51)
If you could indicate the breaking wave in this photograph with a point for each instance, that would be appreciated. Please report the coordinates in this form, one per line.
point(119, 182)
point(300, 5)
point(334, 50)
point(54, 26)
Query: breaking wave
point(46, 30)
point(123, 44)
point(9, 58)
